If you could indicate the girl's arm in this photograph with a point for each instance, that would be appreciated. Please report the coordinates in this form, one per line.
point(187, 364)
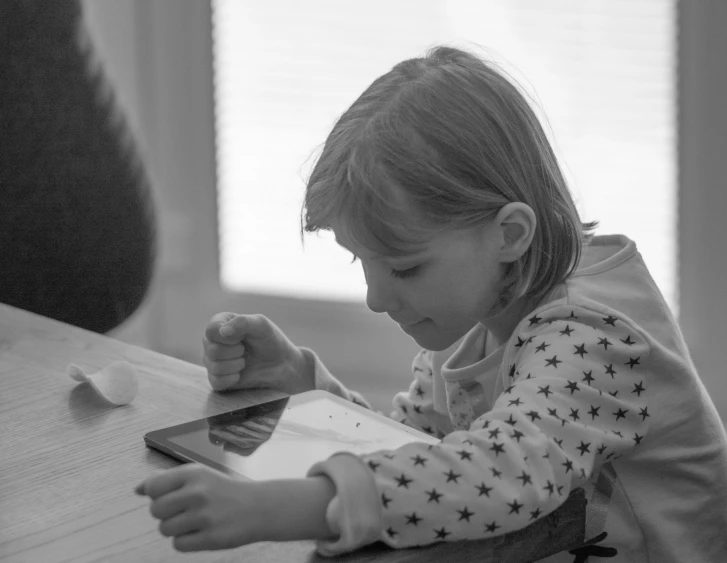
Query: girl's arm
point(203, 509)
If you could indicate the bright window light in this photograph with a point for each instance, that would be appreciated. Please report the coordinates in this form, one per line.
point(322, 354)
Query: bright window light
point(603, 71)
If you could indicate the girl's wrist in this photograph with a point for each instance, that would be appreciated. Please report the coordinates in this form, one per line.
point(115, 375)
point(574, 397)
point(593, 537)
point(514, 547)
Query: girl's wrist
point(295, 509)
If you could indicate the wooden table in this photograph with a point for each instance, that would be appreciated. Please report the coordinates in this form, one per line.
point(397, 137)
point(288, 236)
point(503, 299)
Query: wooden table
point(69, 462)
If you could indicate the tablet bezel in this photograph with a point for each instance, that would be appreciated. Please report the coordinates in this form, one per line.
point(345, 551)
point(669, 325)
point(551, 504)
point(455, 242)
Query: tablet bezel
point(160, 439)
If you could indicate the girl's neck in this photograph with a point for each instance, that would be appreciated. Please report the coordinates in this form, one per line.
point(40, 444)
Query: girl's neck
point(502, 325)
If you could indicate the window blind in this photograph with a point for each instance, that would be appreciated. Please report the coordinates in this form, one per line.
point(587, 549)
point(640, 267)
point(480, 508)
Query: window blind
point(602, 72)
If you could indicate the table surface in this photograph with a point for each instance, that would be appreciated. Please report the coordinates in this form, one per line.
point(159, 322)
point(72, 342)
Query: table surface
point(69, 462)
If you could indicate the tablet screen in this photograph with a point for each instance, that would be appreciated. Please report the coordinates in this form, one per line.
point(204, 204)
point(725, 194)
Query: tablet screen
point(284, 438)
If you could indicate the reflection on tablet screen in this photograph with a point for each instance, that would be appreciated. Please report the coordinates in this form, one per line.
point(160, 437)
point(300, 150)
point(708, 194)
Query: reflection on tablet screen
point(283, 442)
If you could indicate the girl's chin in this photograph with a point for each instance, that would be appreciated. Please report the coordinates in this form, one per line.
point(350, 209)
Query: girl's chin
point(430, 337)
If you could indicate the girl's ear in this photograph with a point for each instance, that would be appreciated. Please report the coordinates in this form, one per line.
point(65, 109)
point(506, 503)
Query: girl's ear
point(516, 222)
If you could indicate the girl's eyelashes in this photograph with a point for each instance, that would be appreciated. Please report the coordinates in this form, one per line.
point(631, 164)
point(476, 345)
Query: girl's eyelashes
point(403, 274)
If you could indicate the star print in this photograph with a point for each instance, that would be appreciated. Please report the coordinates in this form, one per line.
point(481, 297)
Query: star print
point(534, 320)
point(508, 390)
point(573, 386)
point(483, 489)
point(497, 448)
point(464, 454)
point(554, 361)
point(572, 315)
point(391, 532)
point(574, 414)
point(517, 435)
point(559, 442)
point(643, 414)
point(550, 488)
point(525, 478)
point(568, 465)
point(494, 433)
point(544, 390)
point(534, 514)
point(515, 506)
point(637, 439)
point(442, 533)
point(584, 448)
point(583, 473)
point(560, 490)
point(621, 413)
point(485, 424)
point(515, 402)
point(610, 320)
point(601, 449)
point(588, 377)
point(542, 347)
point(633, 362)
point(419, 460)
point(465, 514)
point(389, 456)
point(373, 465)
point(594, 412)
point(618, 433)
point(613, 393)
point(567, 330)
point(580, 350)
point(520, 342)
point(403, 481)
point(452, 476)
point(428, 429)
point(609, 370)
point(492, 527)
point(512, 370)
point(511, 421)
point(533, 415)
point(403, 408)
point(419, 391)
point(385, 500)
point(495, 473)
point(604, 342)
point(638, 388)
point(417, 409)
point(628, 341)
point(434, 495)
point(553, 413)
point(413, 519)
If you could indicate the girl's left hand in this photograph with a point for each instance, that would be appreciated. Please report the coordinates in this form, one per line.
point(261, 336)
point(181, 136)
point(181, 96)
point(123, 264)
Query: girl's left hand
point(203, 509)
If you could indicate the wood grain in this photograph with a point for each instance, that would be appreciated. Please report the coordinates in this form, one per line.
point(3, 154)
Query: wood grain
point(69, 462)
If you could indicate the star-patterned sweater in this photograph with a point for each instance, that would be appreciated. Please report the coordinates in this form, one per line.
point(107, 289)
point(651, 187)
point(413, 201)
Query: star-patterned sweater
point(596, 380)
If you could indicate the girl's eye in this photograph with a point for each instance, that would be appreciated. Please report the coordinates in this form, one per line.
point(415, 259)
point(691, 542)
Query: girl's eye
point(403, 274)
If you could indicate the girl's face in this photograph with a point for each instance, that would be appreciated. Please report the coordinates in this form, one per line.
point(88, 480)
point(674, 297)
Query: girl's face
point(439, 292)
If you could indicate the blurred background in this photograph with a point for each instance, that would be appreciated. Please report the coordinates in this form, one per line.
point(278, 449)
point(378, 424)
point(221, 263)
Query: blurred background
point(230, 100)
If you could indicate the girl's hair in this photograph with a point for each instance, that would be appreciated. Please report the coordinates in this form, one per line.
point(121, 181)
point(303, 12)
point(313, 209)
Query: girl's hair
point(438, 143)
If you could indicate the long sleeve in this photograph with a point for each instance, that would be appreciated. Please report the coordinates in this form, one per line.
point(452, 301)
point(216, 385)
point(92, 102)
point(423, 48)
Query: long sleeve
point(415, 407)
point(573, 395)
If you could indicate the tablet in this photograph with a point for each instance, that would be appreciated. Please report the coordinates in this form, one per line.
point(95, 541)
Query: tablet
point(282, 439)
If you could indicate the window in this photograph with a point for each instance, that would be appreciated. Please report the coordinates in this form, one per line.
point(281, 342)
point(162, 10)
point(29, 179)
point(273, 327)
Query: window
point(603, 72)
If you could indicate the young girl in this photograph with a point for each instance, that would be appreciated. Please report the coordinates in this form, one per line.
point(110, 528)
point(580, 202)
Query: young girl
point(550, 361)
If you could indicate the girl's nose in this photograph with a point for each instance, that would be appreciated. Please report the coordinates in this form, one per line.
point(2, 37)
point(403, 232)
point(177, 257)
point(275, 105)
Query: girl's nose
point(380, 297)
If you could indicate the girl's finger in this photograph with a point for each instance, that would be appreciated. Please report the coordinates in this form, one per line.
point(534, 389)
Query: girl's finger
point(223, 382)
point(180, 525)
point(194, 541)
point(163, 483)
point(169, 505)
point(224, 367)
point(217, 352)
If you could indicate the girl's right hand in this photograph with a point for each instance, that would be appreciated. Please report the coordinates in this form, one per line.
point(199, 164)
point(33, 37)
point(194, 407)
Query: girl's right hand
point(249, 352)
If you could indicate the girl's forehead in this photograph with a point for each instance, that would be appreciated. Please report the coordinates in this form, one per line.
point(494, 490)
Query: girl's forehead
point(371, 247)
